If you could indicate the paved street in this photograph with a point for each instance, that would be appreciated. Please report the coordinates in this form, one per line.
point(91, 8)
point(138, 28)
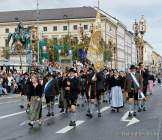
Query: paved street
point(13, 123)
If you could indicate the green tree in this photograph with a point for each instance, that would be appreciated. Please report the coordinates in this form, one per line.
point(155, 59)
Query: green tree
point(75, 55)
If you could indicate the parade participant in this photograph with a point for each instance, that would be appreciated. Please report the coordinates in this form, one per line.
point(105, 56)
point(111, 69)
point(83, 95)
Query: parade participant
point(66, 88)
point(60, 78)
point(106, 85)
point(82, 86)
point(122, 76)
point(116, 92)
point(100, 88)
point(90, 91)
point(108, 79)
point(144, 73)
point(22, 86)
point(73, 95)
point(133, 85)
point(51, 90)
point(26, 90)
point(35, 91)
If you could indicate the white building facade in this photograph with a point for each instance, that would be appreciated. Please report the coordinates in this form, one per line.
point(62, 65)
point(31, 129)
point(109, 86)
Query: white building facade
point(56, 23)
point(121, 46)
point(148, 52)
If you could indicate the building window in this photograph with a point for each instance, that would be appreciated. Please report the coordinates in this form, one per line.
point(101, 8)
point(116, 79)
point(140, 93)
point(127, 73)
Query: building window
point(65, 28)
point(85, 27)
point(110, 29)
point(45, 29)
point(75, 27)
point(7, 30)
point(54, 28)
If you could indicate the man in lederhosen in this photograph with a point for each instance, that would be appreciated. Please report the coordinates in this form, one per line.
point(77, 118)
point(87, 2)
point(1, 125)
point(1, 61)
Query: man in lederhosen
point(106, 85)
point(61, 93)
point(74, 90)
point(145, 77)
point(82, 86)
point(100, 88)
point(133, 84)
point(51, 90)
point(90, 91)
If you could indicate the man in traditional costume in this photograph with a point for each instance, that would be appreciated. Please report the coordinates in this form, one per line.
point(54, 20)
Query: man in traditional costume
point(82, 86)
point(133, 85)
point(145, 77)
point(51, 90)
point(74, 90)
point(100, 88)
point(91, 91)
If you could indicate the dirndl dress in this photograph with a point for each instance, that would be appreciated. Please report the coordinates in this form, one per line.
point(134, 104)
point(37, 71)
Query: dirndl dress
point(116, 97)
point(35, 108)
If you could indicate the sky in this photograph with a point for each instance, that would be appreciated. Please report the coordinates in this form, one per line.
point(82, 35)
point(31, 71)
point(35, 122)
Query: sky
point(124, 10)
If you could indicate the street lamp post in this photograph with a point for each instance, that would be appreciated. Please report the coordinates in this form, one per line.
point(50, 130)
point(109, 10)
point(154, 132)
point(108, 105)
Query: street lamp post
point(139, 31)
point(38, 33)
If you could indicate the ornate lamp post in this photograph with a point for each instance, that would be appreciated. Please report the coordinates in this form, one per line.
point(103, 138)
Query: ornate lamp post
point(34, 42)
point(139, 31)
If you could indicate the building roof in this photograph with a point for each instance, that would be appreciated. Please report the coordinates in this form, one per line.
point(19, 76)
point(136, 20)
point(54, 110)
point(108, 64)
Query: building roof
point(148, 44)
point(111, 18)
point(155, 52)
point(48, 14)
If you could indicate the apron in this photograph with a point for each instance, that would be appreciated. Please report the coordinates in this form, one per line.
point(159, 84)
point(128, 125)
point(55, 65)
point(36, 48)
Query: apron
point(35, 108)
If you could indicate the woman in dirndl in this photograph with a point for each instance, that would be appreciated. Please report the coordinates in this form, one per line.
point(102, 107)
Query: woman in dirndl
point(35, 92)
point(116, 96)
